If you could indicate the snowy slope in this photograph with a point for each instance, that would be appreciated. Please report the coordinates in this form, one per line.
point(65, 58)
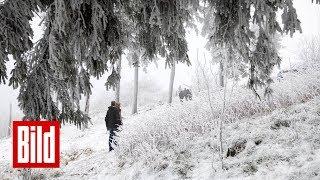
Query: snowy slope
point(181, 140)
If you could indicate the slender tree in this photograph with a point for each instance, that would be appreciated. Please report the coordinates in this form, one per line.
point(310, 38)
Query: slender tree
point(9, 120)
point(135, 87)
point(119, 81)
point(221, 74)
point(87, 106)
point(172, 74)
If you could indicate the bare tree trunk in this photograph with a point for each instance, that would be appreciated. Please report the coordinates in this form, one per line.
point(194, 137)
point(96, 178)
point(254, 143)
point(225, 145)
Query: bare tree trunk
point(173, 72)
point(10, 120)
point(223, 117)
point(118, 85)
point(221, 74)
point(206, 80)
point(135, 88)
point(86, 109)
point(197, 72)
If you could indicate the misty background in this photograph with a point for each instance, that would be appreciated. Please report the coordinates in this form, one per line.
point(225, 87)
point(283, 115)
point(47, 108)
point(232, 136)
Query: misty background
point(154, 79)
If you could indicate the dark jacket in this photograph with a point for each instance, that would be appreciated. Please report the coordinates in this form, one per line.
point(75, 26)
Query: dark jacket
point(112, 118)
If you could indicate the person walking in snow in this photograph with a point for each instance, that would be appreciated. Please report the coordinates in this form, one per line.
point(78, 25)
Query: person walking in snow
point(113, 121)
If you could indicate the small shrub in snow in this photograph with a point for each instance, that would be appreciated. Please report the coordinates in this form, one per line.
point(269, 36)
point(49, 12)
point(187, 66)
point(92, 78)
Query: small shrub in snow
point(280, 123)
point(32, 174)
point(56, 174)
point(258, 142)
point(236, 148)
point(250, 168)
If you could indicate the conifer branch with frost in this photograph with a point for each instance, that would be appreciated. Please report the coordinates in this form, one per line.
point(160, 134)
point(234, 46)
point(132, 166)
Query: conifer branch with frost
point(230, 23)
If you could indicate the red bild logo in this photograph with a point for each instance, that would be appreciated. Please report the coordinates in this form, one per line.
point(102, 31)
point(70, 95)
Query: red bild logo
point(36, 144)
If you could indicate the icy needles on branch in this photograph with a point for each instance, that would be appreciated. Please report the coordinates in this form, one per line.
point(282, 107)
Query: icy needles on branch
point(83, 39)
point(159, 28)
point(248, 27)
point(36, 92)
point(16, 33)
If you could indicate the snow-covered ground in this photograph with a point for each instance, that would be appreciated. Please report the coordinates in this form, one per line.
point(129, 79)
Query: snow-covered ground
point(278, 139)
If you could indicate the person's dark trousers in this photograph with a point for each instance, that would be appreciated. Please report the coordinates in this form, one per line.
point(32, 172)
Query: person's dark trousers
point(112, 141)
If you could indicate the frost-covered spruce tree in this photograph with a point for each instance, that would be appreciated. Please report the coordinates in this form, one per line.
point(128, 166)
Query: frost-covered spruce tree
point(230, 26)
point(16, 34)
point(232, 65)
point(82, 39)
point(36, 91)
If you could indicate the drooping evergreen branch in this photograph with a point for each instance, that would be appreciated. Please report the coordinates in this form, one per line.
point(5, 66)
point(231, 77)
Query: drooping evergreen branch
point(249, 27)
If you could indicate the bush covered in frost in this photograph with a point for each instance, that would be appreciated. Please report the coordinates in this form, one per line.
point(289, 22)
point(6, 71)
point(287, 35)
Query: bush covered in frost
point(183, 135)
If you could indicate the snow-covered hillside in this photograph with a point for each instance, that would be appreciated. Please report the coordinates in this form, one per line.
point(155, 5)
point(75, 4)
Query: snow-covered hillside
point(276, 139)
